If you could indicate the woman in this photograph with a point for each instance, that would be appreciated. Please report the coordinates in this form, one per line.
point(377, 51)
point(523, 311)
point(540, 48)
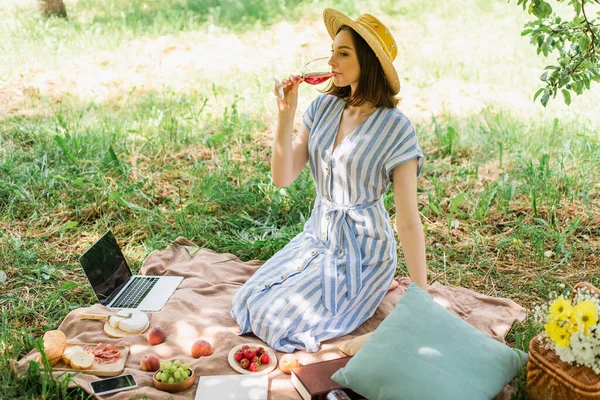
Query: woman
point(331, 277)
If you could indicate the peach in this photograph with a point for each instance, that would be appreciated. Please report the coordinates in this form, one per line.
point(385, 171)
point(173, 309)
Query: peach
point(201, 348)
point(150, 363)
point(287, 362)
point(156, 336)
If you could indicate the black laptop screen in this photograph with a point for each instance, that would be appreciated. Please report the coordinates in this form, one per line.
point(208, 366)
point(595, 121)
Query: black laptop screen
point(105, 267)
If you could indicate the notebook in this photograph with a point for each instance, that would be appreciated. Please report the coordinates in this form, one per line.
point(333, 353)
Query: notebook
point(115, 285)
point(313, 381)
point(233, 387)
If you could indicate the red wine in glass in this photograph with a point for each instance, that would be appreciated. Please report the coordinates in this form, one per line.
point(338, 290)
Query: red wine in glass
point(309, 75)
point(315, 78)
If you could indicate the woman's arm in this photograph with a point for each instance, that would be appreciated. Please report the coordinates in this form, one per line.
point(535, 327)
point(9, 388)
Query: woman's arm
point(288, 158)
point(408, 221)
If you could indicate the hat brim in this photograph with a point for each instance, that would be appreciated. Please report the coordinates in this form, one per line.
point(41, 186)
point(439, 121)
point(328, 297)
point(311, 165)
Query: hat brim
point(334, 19)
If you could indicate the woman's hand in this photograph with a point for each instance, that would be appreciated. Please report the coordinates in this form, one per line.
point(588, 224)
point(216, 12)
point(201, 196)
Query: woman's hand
point(290, 94)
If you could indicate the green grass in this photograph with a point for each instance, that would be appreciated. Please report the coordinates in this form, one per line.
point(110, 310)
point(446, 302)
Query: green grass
point(124, 117)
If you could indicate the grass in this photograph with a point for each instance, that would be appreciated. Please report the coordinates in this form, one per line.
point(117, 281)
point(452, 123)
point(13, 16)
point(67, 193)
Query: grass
point(124, 117)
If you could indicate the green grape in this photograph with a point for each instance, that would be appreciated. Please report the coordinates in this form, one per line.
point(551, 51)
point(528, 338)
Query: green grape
point(167, 365)
point(173, 368)
point(171, 380)
point(177, 375)
point(177, 363)
point(185, 366)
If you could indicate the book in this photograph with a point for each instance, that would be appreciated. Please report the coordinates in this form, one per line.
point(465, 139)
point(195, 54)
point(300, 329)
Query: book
point(233, 387)
point(313, 381)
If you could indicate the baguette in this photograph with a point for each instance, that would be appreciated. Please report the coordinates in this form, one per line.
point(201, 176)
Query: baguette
point(66, 357)
point(82, 360)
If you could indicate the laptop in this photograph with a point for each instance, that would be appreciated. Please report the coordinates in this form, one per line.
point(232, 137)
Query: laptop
point(115, 285)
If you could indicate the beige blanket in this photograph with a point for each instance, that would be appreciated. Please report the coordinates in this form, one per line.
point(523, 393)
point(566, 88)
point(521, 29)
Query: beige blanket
point(199, 309)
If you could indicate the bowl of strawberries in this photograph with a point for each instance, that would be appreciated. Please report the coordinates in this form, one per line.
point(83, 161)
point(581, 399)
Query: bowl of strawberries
point(251, 358)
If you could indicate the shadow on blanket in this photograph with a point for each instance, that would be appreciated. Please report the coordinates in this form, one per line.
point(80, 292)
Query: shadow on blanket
point(199, 308)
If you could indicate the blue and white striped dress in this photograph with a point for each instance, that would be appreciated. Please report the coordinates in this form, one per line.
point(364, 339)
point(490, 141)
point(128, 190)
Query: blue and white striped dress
point(331, 277)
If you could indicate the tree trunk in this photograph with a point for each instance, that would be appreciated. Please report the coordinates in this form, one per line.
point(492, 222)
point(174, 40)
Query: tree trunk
point(50, 8)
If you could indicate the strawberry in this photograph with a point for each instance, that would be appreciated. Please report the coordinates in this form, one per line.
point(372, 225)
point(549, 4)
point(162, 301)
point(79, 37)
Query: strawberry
point(245, 363)
point(253, 367)
point(259, 351)
point(248, 354)
point(264, 359)
point(255, 360)
point(239, 356)
point(245, 347)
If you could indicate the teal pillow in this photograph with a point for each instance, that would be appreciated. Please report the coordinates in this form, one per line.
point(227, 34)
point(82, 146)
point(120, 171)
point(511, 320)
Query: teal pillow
point(422, 351)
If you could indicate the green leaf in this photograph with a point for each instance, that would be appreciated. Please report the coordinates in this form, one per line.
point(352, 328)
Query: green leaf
point(583, 43)
point(567, 96)
point(537, 94)
point(526, 32)
point(62, 143)
point(545, 97)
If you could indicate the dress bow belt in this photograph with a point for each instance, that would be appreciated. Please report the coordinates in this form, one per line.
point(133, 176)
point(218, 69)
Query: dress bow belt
point(344, 249)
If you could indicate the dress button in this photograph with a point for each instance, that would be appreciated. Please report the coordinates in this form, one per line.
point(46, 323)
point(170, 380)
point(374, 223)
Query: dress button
point(327, 170)
point(328, 217)
point(313, 253)
point(267, 285)
point(324, 236)
point(299, 268)
point(283, 276)
point(328, 197)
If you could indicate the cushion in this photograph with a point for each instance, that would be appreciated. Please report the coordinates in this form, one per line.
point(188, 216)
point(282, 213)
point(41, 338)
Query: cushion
point(351, 346)
point(423, 351)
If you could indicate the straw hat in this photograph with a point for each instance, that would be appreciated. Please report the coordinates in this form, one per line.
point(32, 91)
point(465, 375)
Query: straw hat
point(377, 36)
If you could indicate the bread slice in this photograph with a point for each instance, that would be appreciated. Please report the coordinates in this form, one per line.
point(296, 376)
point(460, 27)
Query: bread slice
point(82, 360)
point(66, 357)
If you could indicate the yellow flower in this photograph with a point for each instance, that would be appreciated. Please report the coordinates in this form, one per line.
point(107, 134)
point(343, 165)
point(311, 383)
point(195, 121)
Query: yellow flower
point(559, 334)
point(584, 316)
point(560, 309)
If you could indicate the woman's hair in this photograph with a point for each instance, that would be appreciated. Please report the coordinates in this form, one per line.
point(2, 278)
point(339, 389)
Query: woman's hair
point(372, 86)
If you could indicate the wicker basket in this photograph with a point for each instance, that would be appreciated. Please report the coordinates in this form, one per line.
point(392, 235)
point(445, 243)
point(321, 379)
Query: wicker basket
point(549, 378)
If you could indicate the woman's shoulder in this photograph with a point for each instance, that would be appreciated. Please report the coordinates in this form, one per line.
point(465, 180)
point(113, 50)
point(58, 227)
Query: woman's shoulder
point(399, 120)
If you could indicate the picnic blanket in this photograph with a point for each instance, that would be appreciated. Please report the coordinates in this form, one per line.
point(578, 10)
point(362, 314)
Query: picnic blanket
point(199, 309)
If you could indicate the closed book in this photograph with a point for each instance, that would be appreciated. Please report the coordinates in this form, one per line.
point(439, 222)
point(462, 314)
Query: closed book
point(313, 381)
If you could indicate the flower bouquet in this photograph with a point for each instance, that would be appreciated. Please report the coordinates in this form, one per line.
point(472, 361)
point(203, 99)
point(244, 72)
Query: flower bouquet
point(564, 360)
point(572, 329)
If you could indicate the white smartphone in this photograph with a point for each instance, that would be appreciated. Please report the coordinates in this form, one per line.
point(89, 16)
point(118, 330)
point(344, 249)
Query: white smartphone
point(114, 384)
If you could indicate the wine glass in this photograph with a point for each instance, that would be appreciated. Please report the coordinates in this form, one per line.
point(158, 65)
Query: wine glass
point(314, 72)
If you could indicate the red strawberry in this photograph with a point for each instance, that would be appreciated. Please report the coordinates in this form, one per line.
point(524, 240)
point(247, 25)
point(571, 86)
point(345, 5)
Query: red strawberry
point(255, 360)
point(259, 351)
point(239, 356)
point(253, 367)
point(264, 359)
point(248, 354)
point(245, 347)
point(245, 363)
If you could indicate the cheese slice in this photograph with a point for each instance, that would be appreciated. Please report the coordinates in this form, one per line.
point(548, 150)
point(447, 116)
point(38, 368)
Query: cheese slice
point(132, 321)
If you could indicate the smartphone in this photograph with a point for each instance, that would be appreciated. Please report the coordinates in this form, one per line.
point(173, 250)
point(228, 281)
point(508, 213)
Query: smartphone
point(114, 384)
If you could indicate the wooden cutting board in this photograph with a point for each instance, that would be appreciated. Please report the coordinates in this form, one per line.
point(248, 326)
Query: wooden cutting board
point(113, 369)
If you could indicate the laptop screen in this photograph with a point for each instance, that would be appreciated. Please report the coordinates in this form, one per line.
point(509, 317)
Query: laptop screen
point(105, 267)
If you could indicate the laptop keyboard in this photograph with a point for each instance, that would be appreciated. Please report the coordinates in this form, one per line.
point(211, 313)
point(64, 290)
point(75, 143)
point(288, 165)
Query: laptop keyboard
point(135, 292)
